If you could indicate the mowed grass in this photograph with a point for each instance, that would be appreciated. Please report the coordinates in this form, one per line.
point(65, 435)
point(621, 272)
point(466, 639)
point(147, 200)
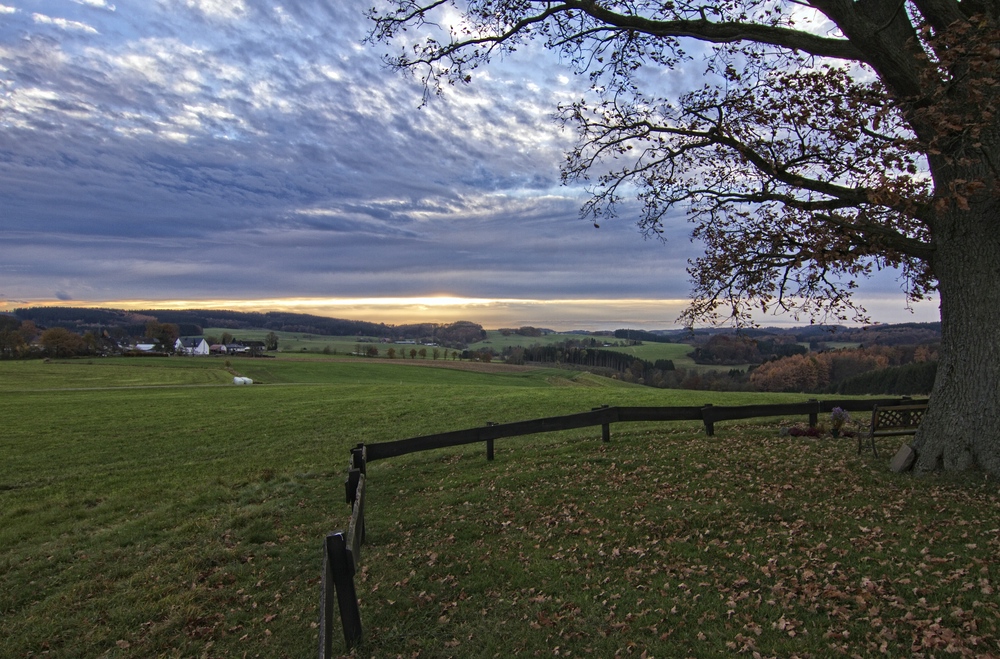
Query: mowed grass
point(185, 518)
point(101, 372)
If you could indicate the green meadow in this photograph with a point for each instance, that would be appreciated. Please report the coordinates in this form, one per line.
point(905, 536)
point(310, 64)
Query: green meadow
point(649, 351)
point(498, 342)
point(151, 508)
point(676, 352)
point(310, 345)
point(296, 342)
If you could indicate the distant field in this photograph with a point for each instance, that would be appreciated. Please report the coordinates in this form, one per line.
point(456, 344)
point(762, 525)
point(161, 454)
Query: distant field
point(677, 352)
point(311, 344)
point(148, 507)
point(297, 341)
point(494, 339)
point(649, 351)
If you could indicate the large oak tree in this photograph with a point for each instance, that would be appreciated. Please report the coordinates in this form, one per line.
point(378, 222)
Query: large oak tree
point(826, 139)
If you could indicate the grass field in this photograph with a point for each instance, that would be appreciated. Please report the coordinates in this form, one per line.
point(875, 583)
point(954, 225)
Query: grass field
point(494, 339)
point(676, 352)
point(291, 343)
point(150, 508)
point(296, 342)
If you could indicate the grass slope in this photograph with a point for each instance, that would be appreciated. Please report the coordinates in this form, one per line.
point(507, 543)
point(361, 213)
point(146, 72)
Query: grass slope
point(297, 342)
point(149, 508)
point(664, 543)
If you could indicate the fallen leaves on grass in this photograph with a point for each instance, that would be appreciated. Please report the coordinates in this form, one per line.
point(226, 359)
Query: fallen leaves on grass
point(745, 543)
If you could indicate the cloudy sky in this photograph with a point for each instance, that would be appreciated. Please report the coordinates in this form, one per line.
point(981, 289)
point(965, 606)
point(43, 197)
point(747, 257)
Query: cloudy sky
point(255, 154)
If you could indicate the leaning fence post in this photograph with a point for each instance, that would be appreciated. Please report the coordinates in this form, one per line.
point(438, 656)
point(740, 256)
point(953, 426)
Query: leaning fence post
point(326, 605)
point(359, 464)
point(342, 569)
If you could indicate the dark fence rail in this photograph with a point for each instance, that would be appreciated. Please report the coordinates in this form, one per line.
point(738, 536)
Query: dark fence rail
point(604, 416)
point(342, 552)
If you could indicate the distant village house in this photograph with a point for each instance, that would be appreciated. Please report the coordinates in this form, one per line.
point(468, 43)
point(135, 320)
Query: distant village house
point(252, 348)
point(191, 345)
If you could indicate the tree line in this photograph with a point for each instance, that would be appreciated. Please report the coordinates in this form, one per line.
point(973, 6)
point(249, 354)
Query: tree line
point(901, 370)
point(24, 339)
point(874, 369)
point(120, 323)
point(731, 350)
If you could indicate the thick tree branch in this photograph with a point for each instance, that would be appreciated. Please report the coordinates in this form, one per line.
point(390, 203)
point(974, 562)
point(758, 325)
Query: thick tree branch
point(912, 247)
point(608, 21)
point(853, 195)
point(724, 32)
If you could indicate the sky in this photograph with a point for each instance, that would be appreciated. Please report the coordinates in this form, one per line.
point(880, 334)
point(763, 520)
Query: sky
point(255, 154)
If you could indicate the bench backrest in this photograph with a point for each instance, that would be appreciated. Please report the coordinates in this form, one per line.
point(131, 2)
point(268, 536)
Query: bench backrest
point(897, 416)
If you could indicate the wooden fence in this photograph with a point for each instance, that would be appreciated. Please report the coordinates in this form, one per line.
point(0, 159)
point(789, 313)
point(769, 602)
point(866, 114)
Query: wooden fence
point(342, 551)
point(341, 558)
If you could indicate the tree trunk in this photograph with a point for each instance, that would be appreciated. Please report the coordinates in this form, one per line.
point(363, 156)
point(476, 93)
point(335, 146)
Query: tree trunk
point(962, 428)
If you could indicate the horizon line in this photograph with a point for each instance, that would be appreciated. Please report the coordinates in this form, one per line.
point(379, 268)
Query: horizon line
point(560, 314)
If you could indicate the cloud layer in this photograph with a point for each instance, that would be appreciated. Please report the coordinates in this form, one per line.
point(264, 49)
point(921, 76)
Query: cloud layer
point(241, 149)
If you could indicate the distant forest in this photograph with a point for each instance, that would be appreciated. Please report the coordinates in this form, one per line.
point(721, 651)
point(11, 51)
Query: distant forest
point(192, 323)
point(134, 321)
point(896, 334)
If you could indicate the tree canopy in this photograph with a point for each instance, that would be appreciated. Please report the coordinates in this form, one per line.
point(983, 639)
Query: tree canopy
point(823, 140)
point(803, 158)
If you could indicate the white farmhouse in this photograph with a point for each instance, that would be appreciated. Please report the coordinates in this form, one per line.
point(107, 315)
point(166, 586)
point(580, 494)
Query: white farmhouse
point(191, 345)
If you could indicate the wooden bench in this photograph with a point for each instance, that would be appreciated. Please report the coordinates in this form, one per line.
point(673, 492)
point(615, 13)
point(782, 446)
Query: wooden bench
point(893, 421)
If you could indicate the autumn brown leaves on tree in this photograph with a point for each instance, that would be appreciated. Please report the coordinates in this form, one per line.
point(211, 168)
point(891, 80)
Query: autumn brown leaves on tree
point(828, 139)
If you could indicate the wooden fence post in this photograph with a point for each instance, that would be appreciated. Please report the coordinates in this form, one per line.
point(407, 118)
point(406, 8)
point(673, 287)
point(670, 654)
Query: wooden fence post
point(605, 426)
point(709, 424)
point(814, 415)
point(351, 486)
point(359, 462)
point(327, 593)
point(339, 562)
point(342, 572)
point(489, 442)
point(359, 458)
point(358, 467)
